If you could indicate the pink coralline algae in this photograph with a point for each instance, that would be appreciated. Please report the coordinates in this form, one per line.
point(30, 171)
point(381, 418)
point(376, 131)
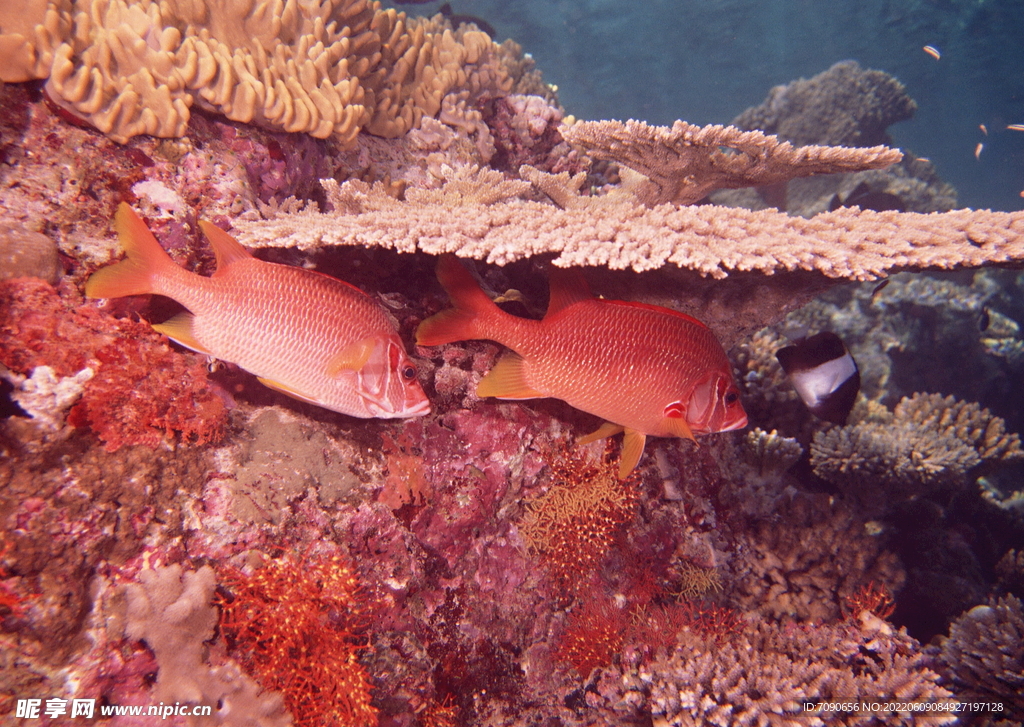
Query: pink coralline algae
point(142, 390)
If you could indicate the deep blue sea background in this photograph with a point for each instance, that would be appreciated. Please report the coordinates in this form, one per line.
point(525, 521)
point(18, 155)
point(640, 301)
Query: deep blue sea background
point(705, 61)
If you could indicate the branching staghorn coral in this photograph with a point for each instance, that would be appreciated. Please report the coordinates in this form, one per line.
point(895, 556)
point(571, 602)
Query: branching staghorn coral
point(327, 67)
point(984, 655)
point(684, 162)
point(929, 441)
point(767, 673)
point(807, 559)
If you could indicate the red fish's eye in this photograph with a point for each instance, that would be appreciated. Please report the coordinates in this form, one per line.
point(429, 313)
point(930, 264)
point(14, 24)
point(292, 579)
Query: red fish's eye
point(731, 398)
point(409, 372)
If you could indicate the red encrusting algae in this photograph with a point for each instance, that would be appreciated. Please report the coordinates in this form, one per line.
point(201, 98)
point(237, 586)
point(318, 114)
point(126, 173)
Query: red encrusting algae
point(297, 627)
point(142, 389)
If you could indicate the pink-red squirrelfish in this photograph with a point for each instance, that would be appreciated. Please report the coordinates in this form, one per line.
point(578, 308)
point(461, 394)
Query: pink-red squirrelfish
point(303, 333)
point(644, 369)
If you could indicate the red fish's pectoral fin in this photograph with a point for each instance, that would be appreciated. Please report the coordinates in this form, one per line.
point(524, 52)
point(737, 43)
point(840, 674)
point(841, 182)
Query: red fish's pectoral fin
point(226, 248)
point(602, 432)
point(353, 357)
point(287, 390)
point(674, 426)
point(632, 449)
point(507, 380)
point(179, 330)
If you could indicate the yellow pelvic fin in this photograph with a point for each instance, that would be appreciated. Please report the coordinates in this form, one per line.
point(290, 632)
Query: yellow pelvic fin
point(632, 448)
point(179, 329)
point(353, 357)
point(603, 432)
point(677, 427)
point(507, 380)
point(284, 389)
point(226, 248)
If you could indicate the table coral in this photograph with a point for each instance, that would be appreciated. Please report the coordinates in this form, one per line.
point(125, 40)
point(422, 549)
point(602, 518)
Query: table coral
point(684, 162)
point(615, 231)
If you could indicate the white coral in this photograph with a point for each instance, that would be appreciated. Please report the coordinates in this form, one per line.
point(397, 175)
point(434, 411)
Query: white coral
point(46, 397)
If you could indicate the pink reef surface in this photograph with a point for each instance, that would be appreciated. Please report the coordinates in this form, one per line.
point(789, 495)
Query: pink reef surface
point(487, 594)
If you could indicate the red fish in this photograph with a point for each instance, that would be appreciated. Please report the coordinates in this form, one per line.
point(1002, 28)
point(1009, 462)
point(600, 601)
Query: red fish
point(646, 370)
point(303, 333)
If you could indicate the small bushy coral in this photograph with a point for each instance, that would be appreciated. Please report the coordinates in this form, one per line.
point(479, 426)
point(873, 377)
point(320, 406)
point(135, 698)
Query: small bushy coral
point(928, 442)
point(984, 655)
point(296, 626)
point(573, 526)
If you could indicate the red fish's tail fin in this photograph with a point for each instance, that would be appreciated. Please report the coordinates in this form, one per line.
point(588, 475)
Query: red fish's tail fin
point(138, 273)
point(472, 317)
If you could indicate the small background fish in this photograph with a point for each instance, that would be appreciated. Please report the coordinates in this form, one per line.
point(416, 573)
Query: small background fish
point(308, 335)
point(646, 370)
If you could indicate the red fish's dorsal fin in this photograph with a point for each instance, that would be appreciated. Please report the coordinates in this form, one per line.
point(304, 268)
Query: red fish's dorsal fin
point(657, 309)
point(568, 286)
point(145, 261)
point(225, 247)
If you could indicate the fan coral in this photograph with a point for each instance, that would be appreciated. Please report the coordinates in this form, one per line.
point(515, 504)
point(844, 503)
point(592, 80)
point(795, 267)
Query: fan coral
point(573, 526)
point(593, 636)
point(685, 162)
point(984, 655)
point(296, 626)
point(928, 442)
point(334, 67)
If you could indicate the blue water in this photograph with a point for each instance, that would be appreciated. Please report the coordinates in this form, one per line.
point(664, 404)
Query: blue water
point(705, 61)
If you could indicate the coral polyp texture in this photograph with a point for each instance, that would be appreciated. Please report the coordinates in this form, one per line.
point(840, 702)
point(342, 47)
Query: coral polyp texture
point(472, 217)
point(327, 68)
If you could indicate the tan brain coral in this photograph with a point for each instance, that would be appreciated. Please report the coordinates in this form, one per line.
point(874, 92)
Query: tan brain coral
point(323, 67)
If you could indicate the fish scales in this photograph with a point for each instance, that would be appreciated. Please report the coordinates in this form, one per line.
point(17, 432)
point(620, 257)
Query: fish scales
point(576, 339)
point(308, 335)
point(644, 369)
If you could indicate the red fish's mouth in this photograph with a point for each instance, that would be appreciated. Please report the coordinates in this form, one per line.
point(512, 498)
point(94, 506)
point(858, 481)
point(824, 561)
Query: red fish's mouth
point(419, 409)
point(734, 425)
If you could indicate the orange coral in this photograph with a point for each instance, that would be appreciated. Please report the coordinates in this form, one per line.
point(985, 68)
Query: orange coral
point(593, 636)
point(869, 597)
point(573, 526)
point(295, 626)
